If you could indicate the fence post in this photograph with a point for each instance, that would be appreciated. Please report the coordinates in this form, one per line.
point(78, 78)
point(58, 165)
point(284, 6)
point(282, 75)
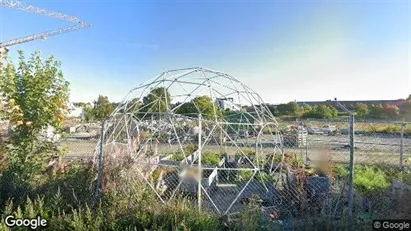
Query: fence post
point(100, 165)
point(351, 166)
point(351, 175)
point(200, 175)
point(402, 145)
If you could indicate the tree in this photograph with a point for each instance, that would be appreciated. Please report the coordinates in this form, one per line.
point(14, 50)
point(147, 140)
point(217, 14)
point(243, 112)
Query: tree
point(200, 104)
point(307, 109)
point(334, 112)
point(158, 100)
point(80, 104)
point(89, 114)
point(272, 109)
point(102, 108)
point(206, 107)
point(291, 108)
point(384, 112)
point(133, 105)
point(376, 111)
point(37, 96)
point(361, 109)
point(391, 111)
point(187, 109)
point(322, 112)
point(405, 110)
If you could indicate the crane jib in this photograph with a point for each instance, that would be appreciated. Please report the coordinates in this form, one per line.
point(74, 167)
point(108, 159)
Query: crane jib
point(36, 10)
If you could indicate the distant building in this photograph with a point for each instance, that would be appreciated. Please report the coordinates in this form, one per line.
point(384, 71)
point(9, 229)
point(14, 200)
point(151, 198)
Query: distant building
point(352, 103)
point(75, 112)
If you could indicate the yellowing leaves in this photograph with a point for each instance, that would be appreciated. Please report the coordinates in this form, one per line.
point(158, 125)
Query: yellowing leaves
point(16, 123)
point(16, 108)
point(36, 96)
point(12, 102)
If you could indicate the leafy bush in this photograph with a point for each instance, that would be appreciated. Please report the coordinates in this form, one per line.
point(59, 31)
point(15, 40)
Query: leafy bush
point(190, 149)
point(210, 158)
point(278, 158)
point(247, 151)
point(251, 218)
point(245, 175)
point(297, 162)
point(368, 180)
point(178, 156)
point(260, 161)
point(263, 177)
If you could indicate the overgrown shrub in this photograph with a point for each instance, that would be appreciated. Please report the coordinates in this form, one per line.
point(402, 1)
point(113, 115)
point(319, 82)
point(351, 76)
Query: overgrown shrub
point(368, 180)
point(210, 158)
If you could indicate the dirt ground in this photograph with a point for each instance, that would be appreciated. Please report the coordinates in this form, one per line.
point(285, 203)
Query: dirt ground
point(369, 150)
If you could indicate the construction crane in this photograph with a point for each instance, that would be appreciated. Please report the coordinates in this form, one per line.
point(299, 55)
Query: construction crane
point(17, 5)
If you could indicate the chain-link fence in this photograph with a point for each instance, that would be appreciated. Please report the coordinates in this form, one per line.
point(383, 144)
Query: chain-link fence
point(298, 178)
point(382, 157)
point(376, 142)
point(80, 140)
point(222, 167)
point(308, 179)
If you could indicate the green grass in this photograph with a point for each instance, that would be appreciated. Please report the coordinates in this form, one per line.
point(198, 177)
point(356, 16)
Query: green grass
point(66, 202)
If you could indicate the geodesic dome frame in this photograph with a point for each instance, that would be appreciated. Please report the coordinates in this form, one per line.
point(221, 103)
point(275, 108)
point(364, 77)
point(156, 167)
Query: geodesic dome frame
point(196, 132)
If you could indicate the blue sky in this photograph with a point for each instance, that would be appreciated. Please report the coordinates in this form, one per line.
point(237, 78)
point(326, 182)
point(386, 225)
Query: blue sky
point(284, 50)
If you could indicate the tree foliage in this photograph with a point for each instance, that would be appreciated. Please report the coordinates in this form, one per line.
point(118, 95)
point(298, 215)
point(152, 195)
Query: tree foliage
point(133, 105)
point(37, 96)
point(321, 112)
point(383, 111)
point(361, 109)
point(291, 108)
point(158, 100)
point(102, 108)
point(405, 110)
point(200, 104)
